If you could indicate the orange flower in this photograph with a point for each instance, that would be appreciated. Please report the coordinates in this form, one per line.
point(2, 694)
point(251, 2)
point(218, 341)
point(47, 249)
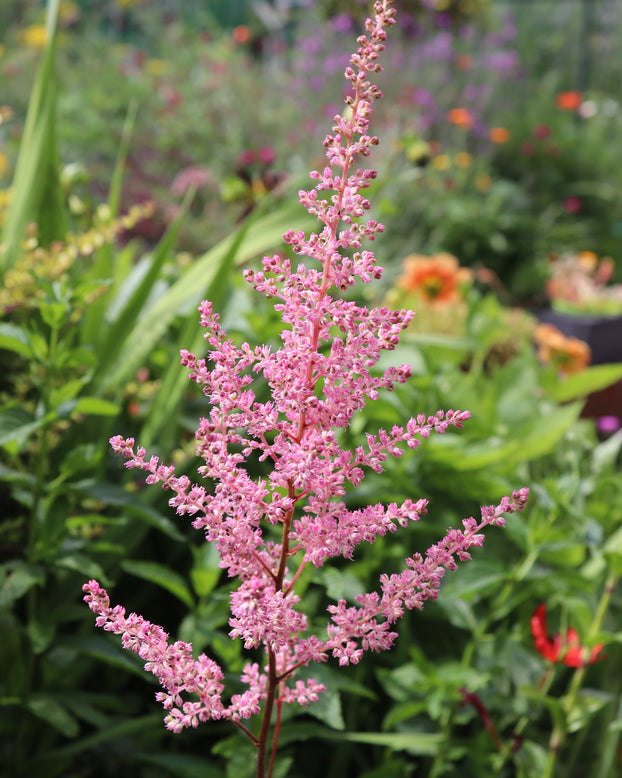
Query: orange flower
point(569, 101)
point(464, 61)
point(242, 34)
point(499, 135)
point(569, 355)
point(462, 117)
point(435, 279)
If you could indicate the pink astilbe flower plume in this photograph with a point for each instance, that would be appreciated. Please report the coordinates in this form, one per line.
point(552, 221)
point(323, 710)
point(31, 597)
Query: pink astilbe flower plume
point(267, 530)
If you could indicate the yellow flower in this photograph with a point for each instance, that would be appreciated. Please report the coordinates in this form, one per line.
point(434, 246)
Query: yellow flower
point(483, 182)
point(155, 67)
point(587, 259)
point(463, 159)
point(34, 36)
point(68, 13)
point(441, 162)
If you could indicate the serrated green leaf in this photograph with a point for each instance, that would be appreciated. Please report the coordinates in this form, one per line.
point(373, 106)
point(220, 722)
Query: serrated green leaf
point(162, 576)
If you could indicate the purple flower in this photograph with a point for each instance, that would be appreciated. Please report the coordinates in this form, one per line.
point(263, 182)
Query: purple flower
point(423, 97)
point(342, 23)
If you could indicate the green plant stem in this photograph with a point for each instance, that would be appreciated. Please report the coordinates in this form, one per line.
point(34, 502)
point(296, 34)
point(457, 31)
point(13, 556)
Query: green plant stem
point(559, 734)
point(40, 466)
point(447, 718)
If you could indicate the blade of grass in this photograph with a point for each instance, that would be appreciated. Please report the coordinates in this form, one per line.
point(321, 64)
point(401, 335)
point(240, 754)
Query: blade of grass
point(189, 290)
point(116, 332)
point(104, 266)
point(158, 423)
point(36, 190)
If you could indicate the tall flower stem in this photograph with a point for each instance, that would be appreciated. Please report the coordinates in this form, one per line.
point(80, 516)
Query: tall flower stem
point(483, 625)
point(558, 736)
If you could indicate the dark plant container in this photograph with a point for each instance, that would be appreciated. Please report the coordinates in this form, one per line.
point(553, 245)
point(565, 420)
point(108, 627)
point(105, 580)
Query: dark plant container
point(603, 334)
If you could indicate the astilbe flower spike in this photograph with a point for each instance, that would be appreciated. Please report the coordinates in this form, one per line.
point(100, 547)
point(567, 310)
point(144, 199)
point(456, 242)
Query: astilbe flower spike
point(267, 530)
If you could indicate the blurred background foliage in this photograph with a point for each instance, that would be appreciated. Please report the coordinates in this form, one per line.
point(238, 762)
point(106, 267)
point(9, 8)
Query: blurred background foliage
point(148, 151)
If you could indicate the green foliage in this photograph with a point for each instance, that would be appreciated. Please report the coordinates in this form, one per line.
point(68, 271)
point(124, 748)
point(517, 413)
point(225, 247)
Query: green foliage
point(83, 313)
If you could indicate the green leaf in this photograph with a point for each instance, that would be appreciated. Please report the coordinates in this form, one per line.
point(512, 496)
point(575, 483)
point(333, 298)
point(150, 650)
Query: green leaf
point(587, 381)
point(555, 707)
point(389, 769)
point(40, 633)
point(125, 729)
point(18, 582)
point(185, 765)
point(528, 441)
point(95, 406)
point(66, 392)
point(328, 709)
point(587, 703)
point(16, 424)
point(114, 495)
point(205, 572)
point(106, 650)
point(162, 576)
point(341, 585)
point(420, 743)
point(15, 339)
point(83, 564)
point(46, 707)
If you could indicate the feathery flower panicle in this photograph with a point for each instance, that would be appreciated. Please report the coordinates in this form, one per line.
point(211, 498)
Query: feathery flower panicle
point(267, 530)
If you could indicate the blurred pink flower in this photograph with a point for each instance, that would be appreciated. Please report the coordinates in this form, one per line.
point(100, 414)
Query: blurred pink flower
point(191, 177)
point(573, 204)
point(541, 131)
